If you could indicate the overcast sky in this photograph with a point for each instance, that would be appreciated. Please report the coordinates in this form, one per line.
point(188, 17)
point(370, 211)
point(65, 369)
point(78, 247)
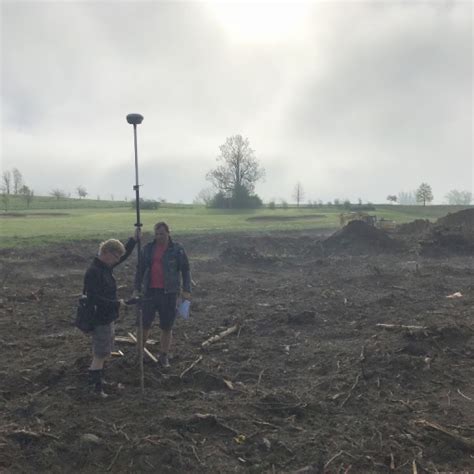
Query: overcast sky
point(352, 99)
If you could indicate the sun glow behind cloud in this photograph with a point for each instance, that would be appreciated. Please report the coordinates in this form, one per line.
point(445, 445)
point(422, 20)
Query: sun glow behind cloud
point(260, 22)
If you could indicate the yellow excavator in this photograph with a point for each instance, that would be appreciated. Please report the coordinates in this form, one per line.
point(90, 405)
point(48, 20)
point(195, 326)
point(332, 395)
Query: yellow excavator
point(383, 224)
point(347, 217)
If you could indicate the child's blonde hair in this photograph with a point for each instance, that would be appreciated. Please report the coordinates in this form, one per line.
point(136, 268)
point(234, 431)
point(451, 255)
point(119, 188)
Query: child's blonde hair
point(111, 246)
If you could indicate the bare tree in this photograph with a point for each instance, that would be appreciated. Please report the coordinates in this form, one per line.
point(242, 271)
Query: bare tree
point(424, 193)
point(58, 194)
point(407, 198)
point(298, 193)
point(238, 167)
point(81, 192)
point(17, 181)
point(7, 181)
point(27, 194)
point(459, 197)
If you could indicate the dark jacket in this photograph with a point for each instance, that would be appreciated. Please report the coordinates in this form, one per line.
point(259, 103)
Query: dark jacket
point(101, 289)
point(175, 265)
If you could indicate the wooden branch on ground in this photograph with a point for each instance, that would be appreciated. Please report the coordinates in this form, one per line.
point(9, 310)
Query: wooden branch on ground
point(464, 396)
point(219, 336)
point(462, 441)
point(260, 375)
point(332, 459)
point(145, 350)
point(196, 456)
point(115, 457)
point(399, 326)
point(129, 340)
point(265, 423)
point(39, 392)
point(27, 434)
point(185, 371)
point(351, 390)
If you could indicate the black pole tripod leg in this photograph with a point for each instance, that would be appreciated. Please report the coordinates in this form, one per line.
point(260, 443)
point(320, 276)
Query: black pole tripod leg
point(136, 119)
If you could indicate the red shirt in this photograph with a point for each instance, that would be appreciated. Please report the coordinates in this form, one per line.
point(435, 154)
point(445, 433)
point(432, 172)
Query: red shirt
point(157, 277)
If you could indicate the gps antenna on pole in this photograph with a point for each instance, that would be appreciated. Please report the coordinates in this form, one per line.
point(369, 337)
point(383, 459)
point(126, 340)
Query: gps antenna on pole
point(137, 119)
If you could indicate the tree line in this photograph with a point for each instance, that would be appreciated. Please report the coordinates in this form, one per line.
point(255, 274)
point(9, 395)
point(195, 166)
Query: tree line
point(238, 171)
point(13, 184)
point(424, 195)
point(233, 185)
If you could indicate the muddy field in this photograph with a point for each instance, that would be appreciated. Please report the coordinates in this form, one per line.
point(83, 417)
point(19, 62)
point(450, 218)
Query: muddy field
point(353, 353)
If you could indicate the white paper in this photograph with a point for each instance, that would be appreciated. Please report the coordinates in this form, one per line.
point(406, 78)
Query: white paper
point(183, 309)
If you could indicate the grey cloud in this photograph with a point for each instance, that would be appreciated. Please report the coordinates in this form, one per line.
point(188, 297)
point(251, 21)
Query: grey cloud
point(398, 90)
point(369, 89)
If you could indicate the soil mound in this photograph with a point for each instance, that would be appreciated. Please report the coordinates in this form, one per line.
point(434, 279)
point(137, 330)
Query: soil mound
point(443, 243)
point(359, 237)
point(462, 220)
point(452, 234)
point(418, 226)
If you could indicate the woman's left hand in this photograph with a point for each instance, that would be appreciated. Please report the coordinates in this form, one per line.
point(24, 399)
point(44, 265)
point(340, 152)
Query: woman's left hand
point(186, 295)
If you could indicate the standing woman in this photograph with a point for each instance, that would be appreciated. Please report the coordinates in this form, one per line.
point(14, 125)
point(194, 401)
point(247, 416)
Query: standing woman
point(101, 291)
point(164, 274)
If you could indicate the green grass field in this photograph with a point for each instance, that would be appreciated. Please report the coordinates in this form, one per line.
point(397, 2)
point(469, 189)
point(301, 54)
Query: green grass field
point(18, 203)
point(38, 227)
